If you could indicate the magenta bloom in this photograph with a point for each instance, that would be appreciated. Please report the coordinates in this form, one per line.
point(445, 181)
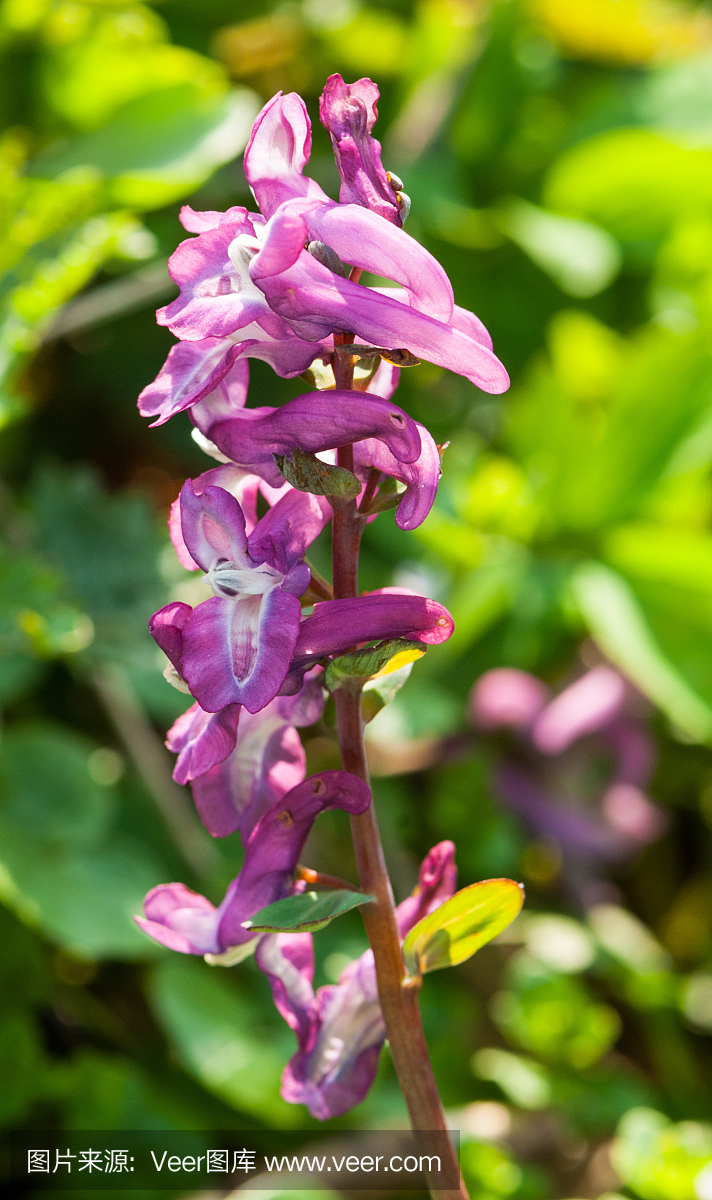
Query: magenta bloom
point(186, 921)
point(249, 287)
point(340, 1030)
point(575, 767)
point(236, 648)
point(337, 625)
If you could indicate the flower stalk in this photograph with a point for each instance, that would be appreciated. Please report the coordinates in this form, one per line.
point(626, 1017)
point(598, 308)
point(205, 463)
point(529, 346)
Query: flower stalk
point(397, 991)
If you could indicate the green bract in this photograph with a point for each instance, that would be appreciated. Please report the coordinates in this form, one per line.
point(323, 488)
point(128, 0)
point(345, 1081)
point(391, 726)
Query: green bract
point(378, 660)
point(464, 923)
point(308, 473)
point(305, 913)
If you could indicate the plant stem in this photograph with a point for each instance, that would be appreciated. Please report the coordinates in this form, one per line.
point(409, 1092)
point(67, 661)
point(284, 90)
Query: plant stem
point(398, 993)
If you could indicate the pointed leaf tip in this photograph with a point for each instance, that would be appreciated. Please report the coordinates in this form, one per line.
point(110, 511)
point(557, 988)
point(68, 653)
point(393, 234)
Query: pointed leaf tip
point(460, 926)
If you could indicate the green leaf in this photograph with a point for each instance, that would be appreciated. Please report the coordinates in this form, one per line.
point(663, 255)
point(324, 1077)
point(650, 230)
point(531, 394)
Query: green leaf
point(307, 912)
point(64, 868)
point(233, 1043)
point(464, 923)
point(307, 473)
point(582, 258)
point(161, 146)
point(374, 660)
point(381, 689)
point(617, 623)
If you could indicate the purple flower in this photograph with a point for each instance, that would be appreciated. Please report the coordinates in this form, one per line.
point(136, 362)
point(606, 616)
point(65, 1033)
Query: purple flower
point(337, 625)
point(236, 647)
point(340, 1029)
point(251, 288)
point(559, 747)
point(349, 113)
point(186, 921)
point(420, 477)
point(315, 301)
point(275, 158)
point(267, 761)
point(314, 422)
point(241, 484)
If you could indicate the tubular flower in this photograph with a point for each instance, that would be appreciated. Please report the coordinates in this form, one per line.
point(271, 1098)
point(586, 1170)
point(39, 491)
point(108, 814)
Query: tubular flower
point(337, 625)
point(554, 749)
point(340, 1029)
point(236, 647)
point(273, 286)
point(186, 921)
point(349, 113)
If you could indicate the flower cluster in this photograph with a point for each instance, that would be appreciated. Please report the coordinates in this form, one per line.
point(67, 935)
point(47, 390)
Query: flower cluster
point(283, 285)
point(573, 767)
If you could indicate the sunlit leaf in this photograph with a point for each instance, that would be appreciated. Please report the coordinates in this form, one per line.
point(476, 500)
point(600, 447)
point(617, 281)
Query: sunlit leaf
point(464, 923)
point(582, 258)
point(160, 146)
point(307, 912)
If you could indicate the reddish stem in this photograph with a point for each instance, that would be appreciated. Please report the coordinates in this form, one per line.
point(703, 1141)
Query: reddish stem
point(397, 992)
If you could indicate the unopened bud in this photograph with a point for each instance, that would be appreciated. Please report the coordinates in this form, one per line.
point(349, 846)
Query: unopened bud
point(327, 257)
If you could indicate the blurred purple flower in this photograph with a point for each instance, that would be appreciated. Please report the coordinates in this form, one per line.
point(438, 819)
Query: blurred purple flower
point(186, 921)
point(340, 1029)
point(556, 748)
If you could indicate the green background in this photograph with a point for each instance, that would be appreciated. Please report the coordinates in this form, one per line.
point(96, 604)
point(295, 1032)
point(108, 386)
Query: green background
point(558, 154)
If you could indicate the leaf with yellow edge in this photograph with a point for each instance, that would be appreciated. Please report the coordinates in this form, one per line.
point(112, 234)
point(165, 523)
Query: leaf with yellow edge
point(372, 662)
point(464, 923)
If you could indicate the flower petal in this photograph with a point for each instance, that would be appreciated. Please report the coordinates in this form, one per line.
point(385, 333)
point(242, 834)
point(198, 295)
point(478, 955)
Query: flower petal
point(191, 371)
point(180, 919)
point(240, 484)
point(421, 477)
point(437, 881)
point(209, 304)
point(201, 740)
point(314, 422)
point(287, 960)
point(213, 526)
point(238, 652)
point(363, 239)
point(277, 152)
point(336, 1070)
point(349, 113)
point(166, 627)
point(275, 844)
point(201, 222)
point(316, 302)
point(335, 625)
point(267, 762)
point(283, 534)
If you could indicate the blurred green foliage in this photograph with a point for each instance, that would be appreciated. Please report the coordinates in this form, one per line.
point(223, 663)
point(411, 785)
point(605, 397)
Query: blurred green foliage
point(559, 159)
